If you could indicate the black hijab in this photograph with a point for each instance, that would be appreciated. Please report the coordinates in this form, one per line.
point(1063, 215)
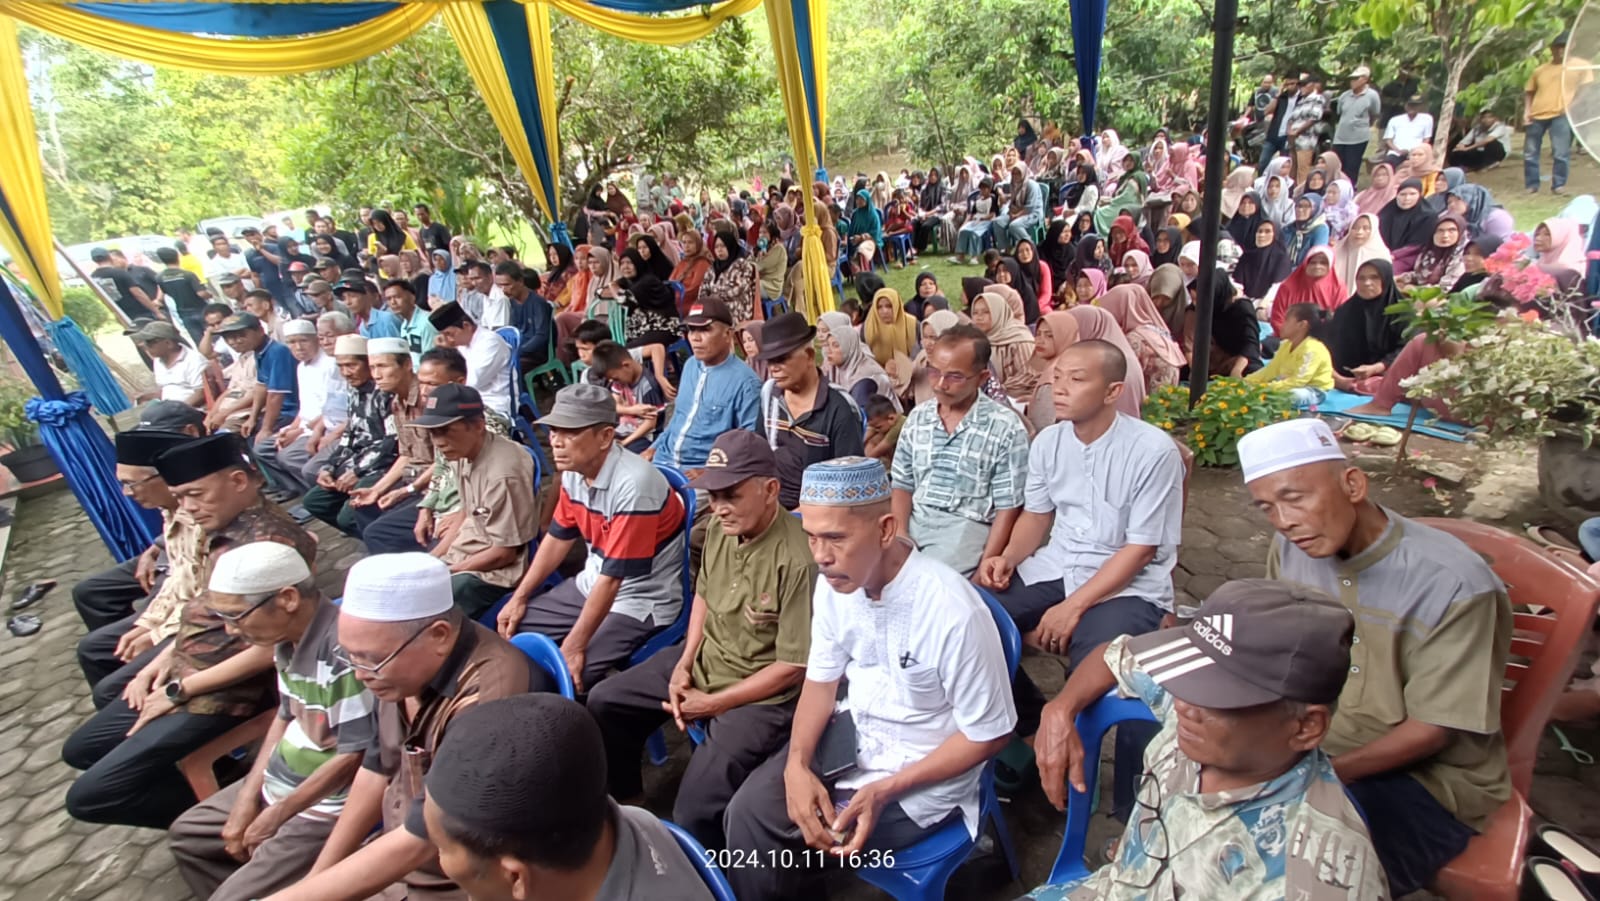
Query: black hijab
point(1234, 326)
point(1486, 245)
point(1033, 271)
point(1262, 267)
point(658, 264)
point(1083, 255)
point(391, 239)
point(1406, 228)
point(1083, 176)
point(918, 306)
point(1024, 286)
point(1174, 243)
point(1079, 228)
point(868, 284)
point(726, 240)
point(1361, 332)
point(1242, 228)
point(649, 292)
point(971, 287)
point(1056, 255)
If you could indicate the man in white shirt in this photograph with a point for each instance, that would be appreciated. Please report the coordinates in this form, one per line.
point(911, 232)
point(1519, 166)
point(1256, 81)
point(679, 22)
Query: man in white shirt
point(179, 371)
point(1407, 131)
point(488, 356)
point(1485, 146)
point(223, 260)
point(307, 441)
point(927, 705)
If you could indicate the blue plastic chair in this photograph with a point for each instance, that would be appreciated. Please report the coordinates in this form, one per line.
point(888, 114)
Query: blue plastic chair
point(838, 278)
point(709, 872)
point(920, 871)
point(656, 745)
point(773, 307)
point(901, 245)
point(520, 398)
point(1092, 726)
point(544, 652)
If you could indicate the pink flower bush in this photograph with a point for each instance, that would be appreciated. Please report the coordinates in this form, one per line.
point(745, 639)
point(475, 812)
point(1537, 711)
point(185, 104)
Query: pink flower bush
point(1518, 278)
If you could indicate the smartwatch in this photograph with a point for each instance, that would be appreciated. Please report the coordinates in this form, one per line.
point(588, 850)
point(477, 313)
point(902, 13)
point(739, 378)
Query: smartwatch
point(175, 692)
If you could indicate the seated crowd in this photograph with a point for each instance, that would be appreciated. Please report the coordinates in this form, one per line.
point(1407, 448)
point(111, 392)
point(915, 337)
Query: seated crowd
point(747, 524)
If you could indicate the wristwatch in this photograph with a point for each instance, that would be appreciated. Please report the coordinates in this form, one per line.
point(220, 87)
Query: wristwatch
point(175, 692)
point(411, 488)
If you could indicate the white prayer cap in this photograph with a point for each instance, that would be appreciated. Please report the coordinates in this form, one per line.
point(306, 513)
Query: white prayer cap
point(1285, 445)
point(299, 327)
point(260, 567)
point(350, 346)
point(387, 346)
point(391, 588)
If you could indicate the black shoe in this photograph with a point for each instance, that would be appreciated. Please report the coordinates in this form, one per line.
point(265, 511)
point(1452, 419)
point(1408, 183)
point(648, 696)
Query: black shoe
point(300, 514)
point(1556, 843)
point(24, 625)
point(1544, 879)
point(33, 594)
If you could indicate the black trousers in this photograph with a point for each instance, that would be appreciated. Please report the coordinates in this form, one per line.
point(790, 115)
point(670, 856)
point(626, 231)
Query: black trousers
point(97, 655)
point(391, 531)
point(1480, 158)
point(1351, 156)
point(758, 824)
point(1415, 836)
point(628, 708)
point(924, 233)
point(133, 780)
point(110, 687)
point(108, 595)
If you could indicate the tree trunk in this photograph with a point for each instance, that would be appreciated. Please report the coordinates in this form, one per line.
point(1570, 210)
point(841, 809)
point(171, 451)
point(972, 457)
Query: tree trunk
point(1456, 58)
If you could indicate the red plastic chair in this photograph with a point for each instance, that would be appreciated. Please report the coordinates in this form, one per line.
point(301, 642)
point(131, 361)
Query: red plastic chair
point(1544, 650)
point(199, 765)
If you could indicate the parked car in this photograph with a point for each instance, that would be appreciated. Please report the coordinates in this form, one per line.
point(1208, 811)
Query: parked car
point(230, 225)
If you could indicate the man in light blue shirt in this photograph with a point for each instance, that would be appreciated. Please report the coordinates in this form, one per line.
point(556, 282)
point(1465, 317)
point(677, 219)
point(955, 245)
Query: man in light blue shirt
point(718, 392)
point(415, 329)
point(366, 308)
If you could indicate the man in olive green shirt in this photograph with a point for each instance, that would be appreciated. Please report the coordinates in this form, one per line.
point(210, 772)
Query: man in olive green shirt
point(1416, 737)
point(739, 669)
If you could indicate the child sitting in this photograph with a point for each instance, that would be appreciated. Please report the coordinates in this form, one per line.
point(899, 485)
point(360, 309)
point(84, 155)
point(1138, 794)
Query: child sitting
point(883, 428)
point(639, 397)
point(1302, 365)
point(899, 219)
point(592, 333)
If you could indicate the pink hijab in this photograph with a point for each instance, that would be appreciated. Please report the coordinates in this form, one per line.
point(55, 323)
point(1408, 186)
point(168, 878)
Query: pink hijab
point(1097, 278)
point(1566, 247)
point(1143, 269)
point(1095, 323)
point(1374, 199)
point(1132, 308)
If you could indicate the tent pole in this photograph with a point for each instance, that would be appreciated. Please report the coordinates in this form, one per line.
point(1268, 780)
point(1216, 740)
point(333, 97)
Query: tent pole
point(1222, 24)
point(93, 285)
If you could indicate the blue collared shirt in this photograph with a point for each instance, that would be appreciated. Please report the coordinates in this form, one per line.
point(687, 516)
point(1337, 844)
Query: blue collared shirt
point(711, 400)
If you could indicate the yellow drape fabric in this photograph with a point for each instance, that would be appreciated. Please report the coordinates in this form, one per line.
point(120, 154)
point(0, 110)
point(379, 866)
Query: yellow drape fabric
point(26, 233)
point(469, 25)
point(664, 30)
point(226, 56)
point(785, 52)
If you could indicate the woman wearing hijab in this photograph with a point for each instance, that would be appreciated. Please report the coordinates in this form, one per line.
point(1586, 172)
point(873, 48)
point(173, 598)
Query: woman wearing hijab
point(1010, 276)
point(1112, 153)
point(1363, 338)
point(1278, 167)
point(927, 299)
point(982, 207)
point(1155, 162)
point(1473, 203)
point(1263, 263)
point(1247, 217)
point(387, 236)
point(1181, 168)
point(890, 330)
point(1339, 207)
point(1158, 354)
point(1125, 237)
point(1081, 194)
point(1440, 263)
point(692, 268)
point(750, 343)
point(1235, 332)
point(1421, 165)
point(603, 275)
point(1129, 198)
point(1057, 332)
point(1057, 252)
point(1165, 248)
point(1308, 230)
point(1360, 244)
point(1234, 187)
point(556, 283)
point(732, 278)
point(655, 259)
point(1474, 273)
point(1136, 264)
point(666, 234)
point(1082, 226)
point(1090, 253)
point(1380, 191)
point(652, 308)
point(1010, 341)
point(865, 225)
point(1036, 277)
point(849, 366)
point(1559, 246)
point(1096, 324)
point(1313, 282)
point(1089, 285)
point(1333, 167)
point(1405, 225)
point(1316, 182)
point(1277, 201)
point(1438, 193)
point(1171, 297)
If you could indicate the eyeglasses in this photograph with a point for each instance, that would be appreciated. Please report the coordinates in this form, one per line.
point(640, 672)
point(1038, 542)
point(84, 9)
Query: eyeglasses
point(236, 618)
point(953, 377)
point(343, 657)
point(128, 486)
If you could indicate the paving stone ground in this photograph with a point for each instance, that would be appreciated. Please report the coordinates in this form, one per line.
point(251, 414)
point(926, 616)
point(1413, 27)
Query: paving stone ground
point(45, 856)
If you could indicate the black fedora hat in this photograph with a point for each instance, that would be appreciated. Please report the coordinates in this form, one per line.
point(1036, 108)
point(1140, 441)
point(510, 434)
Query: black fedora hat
point(784, 334)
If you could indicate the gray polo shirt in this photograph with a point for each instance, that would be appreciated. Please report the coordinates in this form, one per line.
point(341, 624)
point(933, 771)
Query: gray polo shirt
point(1357, 112)
point(1126, 487)
point(647, 864)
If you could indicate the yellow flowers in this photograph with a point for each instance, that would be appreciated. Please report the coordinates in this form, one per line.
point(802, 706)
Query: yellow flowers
point(1238, 431)
point(1222, 405)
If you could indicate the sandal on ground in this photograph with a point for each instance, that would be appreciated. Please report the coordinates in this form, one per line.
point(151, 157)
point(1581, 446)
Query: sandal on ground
point(33, 594)
point(1384, 436)
point(1549, 537)
point(1576, 856)
point(24, 625)
point(1545, 879)
point(1360, 431)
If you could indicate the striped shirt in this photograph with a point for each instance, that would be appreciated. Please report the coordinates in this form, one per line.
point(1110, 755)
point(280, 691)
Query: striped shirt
point(328, 710)
point(632, 521)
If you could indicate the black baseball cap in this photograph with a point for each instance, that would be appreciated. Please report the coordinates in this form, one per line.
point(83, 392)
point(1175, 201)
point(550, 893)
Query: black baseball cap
point(448, 403)
point(169, 416)
point(705, 312)
point(736, 455)
point(239, 322)
point(1254, 641)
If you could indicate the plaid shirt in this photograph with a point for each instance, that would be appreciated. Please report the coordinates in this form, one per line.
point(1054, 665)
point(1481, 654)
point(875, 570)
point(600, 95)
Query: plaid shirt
point(367, 444)
point(980, 469)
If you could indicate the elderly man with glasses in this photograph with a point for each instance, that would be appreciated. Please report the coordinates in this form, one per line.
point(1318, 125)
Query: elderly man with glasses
point(266, 831)
point(405, 640)
point(806, 419)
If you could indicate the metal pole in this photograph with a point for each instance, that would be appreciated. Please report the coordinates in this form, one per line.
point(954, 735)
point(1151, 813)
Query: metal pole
point(1211, 208)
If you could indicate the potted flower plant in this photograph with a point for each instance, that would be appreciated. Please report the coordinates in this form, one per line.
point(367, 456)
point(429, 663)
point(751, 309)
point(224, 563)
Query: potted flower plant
point(28, 460)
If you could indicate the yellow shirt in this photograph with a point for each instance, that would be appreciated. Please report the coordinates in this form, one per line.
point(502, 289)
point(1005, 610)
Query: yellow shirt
point(376, 249)
point(1306, 366)
point(191, 263)
point(1552, 94)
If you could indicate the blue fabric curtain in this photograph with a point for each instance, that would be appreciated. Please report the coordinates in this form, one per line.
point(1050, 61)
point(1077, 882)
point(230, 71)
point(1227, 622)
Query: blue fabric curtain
point(509, 22)
point(85, 363)
point(245, 20)
point(81, 449)
point(1088, 30)
point(808, 72)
